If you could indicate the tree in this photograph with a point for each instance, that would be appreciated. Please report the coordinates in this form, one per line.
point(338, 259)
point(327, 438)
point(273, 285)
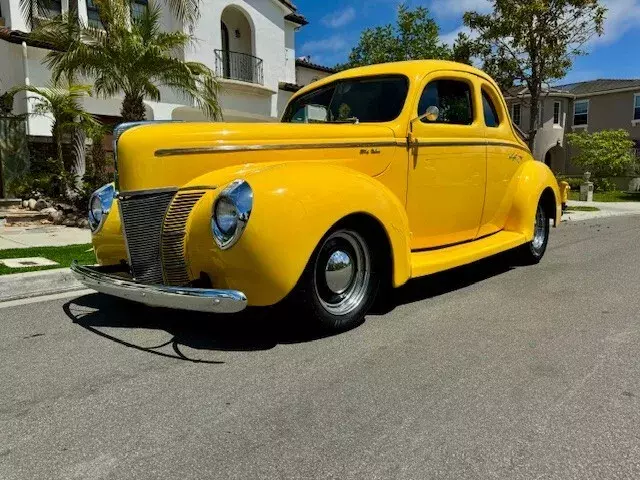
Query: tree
point(534, 42)
point(607, 153)
point(134, 58)
point(63, 104)
point(415, 36)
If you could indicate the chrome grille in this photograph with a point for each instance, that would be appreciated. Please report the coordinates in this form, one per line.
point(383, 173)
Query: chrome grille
point(173, 257)
point(142, 219)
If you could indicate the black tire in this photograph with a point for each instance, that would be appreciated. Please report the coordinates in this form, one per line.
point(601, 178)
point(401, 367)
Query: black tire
point(533, 251)
point(340, 282)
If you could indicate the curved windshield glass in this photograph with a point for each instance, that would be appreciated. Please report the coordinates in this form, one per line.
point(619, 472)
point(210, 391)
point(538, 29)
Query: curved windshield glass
point(353, 100)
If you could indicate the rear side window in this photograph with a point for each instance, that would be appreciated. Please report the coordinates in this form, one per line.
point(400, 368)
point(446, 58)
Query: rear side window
point(453, 99)
point(491, 118)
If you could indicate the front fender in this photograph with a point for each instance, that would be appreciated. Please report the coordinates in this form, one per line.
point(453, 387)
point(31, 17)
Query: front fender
point(295, 204)
point(533, 179)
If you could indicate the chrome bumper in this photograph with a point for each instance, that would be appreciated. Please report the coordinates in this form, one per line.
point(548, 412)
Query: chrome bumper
point(183, 298)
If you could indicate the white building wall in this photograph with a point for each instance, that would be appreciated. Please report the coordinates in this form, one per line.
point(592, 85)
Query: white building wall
point(305, 76)
point(272, 39)
point(289, 53)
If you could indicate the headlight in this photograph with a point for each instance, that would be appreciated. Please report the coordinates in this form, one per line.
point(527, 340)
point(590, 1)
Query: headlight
point(231, 212)
point(99, 205)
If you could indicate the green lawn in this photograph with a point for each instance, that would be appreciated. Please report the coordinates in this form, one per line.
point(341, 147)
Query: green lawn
point(63, 255)
point(582, 209)
point(615, 196)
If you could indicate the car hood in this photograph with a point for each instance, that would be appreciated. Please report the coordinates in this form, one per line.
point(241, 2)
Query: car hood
point(171, 154)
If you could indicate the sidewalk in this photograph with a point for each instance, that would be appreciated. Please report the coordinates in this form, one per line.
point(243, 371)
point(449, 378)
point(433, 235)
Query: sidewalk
point(607, 209)
point(42, 236)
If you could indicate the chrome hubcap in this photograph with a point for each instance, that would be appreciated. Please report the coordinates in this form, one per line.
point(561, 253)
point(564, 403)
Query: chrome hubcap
point(339, 271)
point(342, 272)
point(539, 229)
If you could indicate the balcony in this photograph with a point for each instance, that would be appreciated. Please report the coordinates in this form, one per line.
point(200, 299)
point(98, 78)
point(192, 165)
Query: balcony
point(239, 66)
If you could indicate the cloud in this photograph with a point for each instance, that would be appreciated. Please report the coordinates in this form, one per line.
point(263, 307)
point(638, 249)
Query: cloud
point(622, 15)
point(339, 18)
point(450, 38)
point(334, 43)
point(453, 8)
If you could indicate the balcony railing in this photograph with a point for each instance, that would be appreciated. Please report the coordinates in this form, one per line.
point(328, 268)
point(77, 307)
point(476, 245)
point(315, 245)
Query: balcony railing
point(239, 66)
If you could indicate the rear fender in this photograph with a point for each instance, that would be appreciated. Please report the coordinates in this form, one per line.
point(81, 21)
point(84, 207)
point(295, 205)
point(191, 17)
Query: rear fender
point(534, 179)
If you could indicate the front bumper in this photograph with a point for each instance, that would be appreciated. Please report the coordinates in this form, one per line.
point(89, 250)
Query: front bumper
point(184, 298)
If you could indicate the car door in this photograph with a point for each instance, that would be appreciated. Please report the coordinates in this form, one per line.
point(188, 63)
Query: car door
point(447, 162)
point(504, 156)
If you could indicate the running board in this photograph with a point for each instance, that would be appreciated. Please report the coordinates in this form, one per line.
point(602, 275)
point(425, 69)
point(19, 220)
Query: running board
point(438, 260)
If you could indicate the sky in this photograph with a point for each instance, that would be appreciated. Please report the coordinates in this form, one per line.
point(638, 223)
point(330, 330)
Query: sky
point(335, 26)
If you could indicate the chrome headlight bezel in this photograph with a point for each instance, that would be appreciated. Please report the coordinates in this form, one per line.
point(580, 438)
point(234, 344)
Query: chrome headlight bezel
point(104, 198)
point(239, 194)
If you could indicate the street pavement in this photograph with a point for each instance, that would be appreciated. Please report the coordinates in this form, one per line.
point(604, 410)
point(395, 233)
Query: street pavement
point(489, 371)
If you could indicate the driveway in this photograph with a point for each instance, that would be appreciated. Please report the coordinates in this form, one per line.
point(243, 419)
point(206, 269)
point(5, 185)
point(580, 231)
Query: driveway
point(486, 372)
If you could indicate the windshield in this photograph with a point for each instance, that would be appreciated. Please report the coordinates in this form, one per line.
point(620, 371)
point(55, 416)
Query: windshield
point(354, 100)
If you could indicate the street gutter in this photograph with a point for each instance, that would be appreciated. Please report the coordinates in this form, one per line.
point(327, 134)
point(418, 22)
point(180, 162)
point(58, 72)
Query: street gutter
point(16, 286)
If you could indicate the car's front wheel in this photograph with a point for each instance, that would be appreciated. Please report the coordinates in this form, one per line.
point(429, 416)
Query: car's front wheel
point(532, 252)
point(341, 280)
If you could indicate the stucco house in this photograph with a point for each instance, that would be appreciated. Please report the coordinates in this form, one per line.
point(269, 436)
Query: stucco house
point(250, 44)
point(591, 106)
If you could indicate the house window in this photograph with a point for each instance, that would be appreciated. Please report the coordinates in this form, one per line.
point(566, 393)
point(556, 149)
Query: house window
point(51, 8)
point(556, 113)
point(636, 107)
point(92, 15)
point(138, 8)
point(581, 113)
point(515, 115)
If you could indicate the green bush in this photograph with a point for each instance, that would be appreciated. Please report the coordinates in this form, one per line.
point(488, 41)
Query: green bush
point(54, 182)
point(599, 184)
point(606, 153)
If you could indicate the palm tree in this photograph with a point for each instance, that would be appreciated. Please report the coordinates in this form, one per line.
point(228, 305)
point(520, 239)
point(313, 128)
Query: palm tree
point(69, 118)
point(129, 56)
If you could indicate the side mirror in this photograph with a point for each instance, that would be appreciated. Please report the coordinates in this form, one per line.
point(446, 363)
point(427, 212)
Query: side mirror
point(432, 113)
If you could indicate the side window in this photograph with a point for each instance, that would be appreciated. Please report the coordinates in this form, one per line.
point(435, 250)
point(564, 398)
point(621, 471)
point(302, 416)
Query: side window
point(453, 99)
point(516, 114)
point(491, 118)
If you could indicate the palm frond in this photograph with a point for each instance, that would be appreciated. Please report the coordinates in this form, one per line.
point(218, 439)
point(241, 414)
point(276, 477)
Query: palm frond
point(134, 59)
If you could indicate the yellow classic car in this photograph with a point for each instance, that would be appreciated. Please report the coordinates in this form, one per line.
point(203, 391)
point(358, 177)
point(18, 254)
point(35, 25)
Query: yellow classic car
point(374, 176)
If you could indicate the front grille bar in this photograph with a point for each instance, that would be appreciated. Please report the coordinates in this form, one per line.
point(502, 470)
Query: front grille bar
point(142, 216)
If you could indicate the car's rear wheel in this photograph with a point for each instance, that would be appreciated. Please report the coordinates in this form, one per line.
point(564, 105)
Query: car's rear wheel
point(341, 280)
point(532, 252)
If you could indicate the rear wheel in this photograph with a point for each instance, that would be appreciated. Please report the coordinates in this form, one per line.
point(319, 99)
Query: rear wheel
point(341, 280)
point(533, 251)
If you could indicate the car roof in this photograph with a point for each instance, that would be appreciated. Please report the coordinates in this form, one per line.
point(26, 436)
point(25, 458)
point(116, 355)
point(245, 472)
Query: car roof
point(413, 69)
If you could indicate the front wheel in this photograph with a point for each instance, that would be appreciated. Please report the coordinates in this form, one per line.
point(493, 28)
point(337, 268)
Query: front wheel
point(532, 252)
point(340, 281)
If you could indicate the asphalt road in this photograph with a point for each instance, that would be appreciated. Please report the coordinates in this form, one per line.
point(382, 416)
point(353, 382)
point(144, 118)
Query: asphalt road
point(485, 372)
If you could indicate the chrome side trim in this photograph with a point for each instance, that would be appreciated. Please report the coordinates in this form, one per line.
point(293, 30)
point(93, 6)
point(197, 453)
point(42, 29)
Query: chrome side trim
point(194, 299)
point(168, 152)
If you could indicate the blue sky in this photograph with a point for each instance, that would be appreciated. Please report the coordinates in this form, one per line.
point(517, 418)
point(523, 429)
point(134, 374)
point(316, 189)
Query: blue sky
point(335, 26)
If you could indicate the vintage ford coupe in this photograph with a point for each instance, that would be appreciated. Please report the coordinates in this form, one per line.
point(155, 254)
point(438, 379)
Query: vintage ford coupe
point(374, 176)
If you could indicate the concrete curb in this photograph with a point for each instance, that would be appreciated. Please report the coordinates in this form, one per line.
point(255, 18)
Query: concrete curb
point(34, 284)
